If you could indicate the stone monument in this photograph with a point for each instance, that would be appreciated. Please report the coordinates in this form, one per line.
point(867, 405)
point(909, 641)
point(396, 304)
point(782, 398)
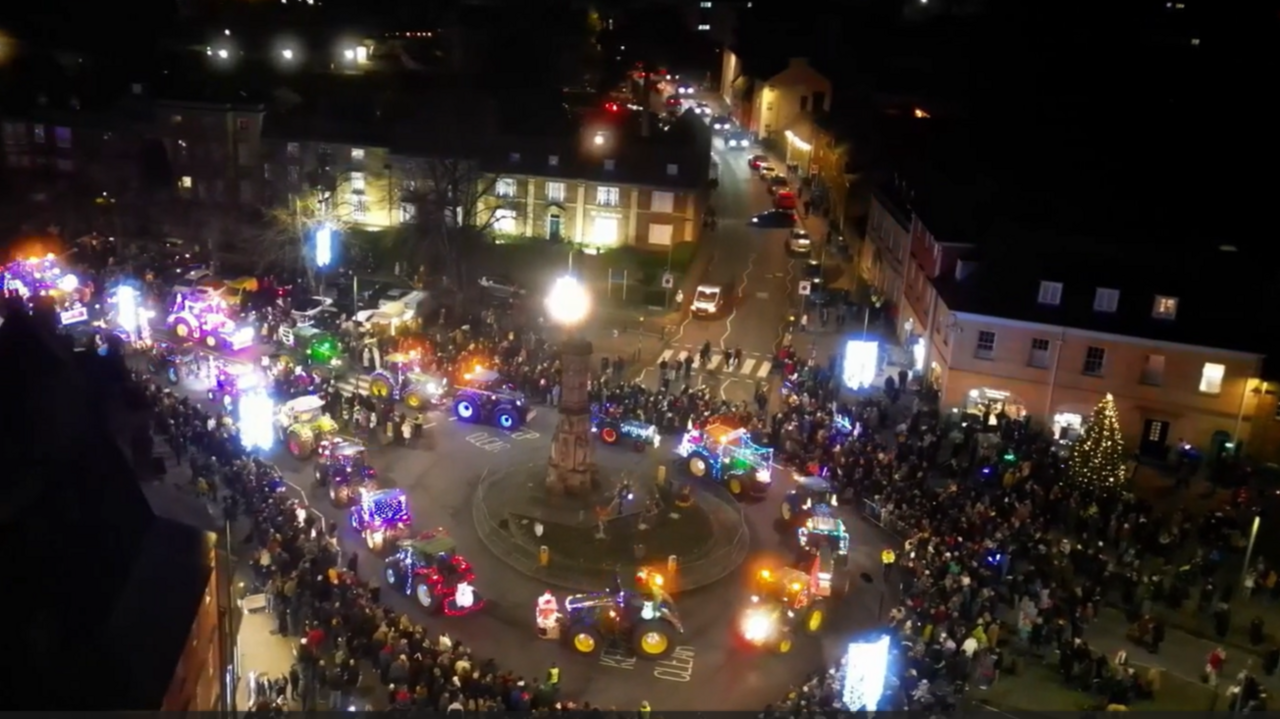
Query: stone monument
point(571, 466)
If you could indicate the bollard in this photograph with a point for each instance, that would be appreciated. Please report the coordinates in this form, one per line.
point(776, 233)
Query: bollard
point(544, 556)
point(662, 475)
point(673, 563)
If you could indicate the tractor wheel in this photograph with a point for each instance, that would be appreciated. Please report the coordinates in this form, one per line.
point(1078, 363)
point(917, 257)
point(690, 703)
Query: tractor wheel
point(506, 418)
point(301, 444)
point(228, 403)
point(339, 494)
point(786, 511)
point(784, 644)
point(609, 434)
point(815, 619)
point(171, 374)
point(373, 540)
point(465, 410)
point(652, 639)
point(181, 329)
point(736, 484)
point(698, 466)
point(584, 638)
point(425, 595)
point(211, 341)
point(379, 387)
point(414, 401)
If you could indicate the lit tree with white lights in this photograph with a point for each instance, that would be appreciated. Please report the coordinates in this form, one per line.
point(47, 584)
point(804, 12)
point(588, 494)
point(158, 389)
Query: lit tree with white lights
point(1098, 458)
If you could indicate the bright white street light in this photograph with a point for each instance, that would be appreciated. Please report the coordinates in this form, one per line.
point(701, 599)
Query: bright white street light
point(224, 54)
point(227, 33)
point(568, 302)
point(349, 54)
point(287, 54)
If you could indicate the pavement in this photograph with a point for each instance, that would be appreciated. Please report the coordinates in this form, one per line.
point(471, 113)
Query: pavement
point(711, 671)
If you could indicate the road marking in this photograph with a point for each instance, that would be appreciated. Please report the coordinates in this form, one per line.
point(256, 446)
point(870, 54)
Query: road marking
point(616, 659)
point(487, 442)
point(762, 295)
point(523, 434)
point(715, 360)
point(666, 355)
point(728, 322)
point(676, 668)
point(680, 357)
point(747, 364)
point(764, 370)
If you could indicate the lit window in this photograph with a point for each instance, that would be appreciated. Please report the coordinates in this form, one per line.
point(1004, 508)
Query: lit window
point(514, 157)
point(504, 221)
point(1166, 308)
point(292, 149)
point(608, 196)
point(39, 132)
point(242, 124)
point(1106, 300)
point(294, 173)
point(1195, 41)
point(359, 207)
point(185, 183)
point(357, 154)
point(1050, 293)
point(555, 191)
point(705, 3)
point(62, 137)
point(505, 187)
point(673, 170)
point(357, 182)
point(704, 27)
point(553, 160)
point(1211, 378)
point(609, 165)
point(408, 213)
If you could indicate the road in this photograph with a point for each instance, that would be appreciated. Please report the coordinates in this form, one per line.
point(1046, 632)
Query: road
point(710, 672)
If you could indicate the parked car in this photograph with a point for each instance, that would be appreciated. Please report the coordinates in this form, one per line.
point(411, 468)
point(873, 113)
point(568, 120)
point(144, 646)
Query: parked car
point(799, 242)
point(785, 219)
point(784, 200)
point(755, 162)
point(778, 183)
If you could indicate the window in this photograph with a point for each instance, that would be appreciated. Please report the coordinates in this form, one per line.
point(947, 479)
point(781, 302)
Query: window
point(185, 183)
point(1050, 293)
point(505, 187)
point(175, 119)
point(1153, 371)
point(292, 149)
point(673, 170)
point(555, 191)
point(986, 345)
point(662, 202)
point(504, 221)
point(242, 124)
point(1211, 378)
point(705, 3)
point(357, 182)
point(62, 137)
point(704, 27)
point(1094, 359)
point(609, 164)
point(408, 213)
point(1106, 300)
point(357, 154)
point(608, 196)
point(553, 160)
point(294, 173)
point(38, 132)
point(359, 207)
point(1166, 308)
point(514, 157)
point(1039, 353)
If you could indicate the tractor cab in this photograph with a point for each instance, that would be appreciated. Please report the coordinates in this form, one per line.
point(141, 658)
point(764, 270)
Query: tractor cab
point(824, 531)
point(809, 493)
point(783, 600)
point(788, 586)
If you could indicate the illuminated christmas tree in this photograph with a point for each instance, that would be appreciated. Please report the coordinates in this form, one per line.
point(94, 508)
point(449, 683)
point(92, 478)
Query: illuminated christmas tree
point(1098, 460)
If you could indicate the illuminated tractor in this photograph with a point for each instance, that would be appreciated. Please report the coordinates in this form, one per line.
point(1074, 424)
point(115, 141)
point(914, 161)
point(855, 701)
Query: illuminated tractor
point(722, 451)
point(643, 620)
point(312, 346)
point(382, 518)
point(809, 492)
point(429, 569)
point(823, 536)
point(343, 467)
point(169, 360)
point(484, 396)
point(230, 381)
point(203, 318)
point(401, 379)
point(611, 429)
point(782, 601)
point(303, 425)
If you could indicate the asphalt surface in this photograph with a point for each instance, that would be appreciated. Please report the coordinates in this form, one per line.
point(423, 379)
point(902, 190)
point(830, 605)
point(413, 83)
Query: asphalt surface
point(709, 671)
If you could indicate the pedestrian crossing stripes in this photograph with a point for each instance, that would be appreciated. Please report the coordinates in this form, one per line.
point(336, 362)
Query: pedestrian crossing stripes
point(719, 362)
point(358, 384)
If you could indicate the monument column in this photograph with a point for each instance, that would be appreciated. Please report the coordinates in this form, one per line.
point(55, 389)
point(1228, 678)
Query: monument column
point(572, 462)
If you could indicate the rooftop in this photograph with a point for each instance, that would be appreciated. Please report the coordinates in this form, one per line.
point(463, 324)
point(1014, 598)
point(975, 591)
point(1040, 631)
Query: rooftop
point(1007, 284)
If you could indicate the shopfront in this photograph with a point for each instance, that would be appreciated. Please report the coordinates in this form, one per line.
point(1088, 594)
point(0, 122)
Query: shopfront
point(991, 406)
point(1067, 425)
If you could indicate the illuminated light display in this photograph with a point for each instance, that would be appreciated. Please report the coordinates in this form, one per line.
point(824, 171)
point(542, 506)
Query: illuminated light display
point(861, 362)
point(205, 318)
point(324, 246)
point(1098, 458)
point(865, 667)
point(464, 595)
point(256, 420)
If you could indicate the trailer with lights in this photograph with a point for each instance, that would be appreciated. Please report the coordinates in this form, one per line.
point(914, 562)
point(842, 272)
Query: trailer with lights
point(485, 396)
point(824, 535)
point(430, 570)
point(643, 621)
point(204, 317)
point(723, 451)
point(343, 467)
point(612, 429)
point(303, 425)
point(785, 600)
point(381, 517)
point(401, 378)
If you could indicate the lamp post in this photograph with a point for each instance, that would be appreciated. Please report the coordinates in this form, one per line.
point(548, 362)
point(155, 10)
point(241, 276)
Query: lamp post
point(568, 305)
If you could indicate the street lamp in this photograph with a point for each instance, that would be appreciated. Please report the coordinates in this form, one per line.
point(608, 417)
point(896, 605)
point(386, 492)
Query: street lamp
point(568, 302)
point(286, 54)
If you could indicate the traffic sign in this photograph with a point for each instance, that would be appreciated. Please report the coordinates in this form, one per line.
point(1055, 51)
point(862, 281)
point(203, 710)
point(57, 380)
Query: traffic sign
point(804, 288)
point(668, 280)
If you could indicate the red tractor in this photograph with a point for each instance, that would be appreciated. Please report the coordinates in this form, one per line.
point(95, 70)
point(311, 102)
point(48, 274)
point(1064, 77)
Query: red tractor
point(429, 569)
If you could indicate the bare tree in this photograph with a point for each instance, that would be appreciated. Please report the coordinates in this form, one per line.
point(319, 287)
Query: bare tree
point(456, 208)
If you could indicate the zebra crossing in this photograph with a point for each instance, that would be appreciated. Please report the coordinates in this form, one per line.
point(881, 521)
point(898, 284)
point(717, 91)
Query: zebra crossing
point(353, 384)
point(755, 367)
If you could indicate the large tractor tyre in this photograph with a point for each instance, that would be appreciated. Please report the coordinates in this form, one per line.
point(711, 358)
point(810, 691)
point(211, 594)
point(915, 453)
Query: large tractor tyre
point(609, 434)
point(653, 639)
point(340, 495)
point(815, 619)
point(374, 540)
point(425, 595)
point(211, 341)
point(736, 483)
point(784, 643)
point(584, 639)
point(171, 374)
point(301, 443)
point(698, 466)
point(787, 511)
point(212, 395)
point(380, 386)
point(506, 418)
point(414, 401)
point(391, 576)
point(182, 329)
point(228, 403)
point(466, 409)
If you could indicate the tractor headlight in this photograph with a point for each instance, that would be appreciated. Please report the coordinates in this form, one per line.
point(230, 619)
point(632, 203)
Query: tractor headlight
point(756, 627)
point(433, 388)
point(763, 476)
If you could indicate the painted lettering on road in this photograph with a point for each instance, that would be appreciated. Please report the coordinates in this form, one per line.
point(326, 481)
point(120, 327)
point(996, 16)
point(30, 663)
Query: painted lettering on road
point(523, 434)
point(676, 668)
point(487, 442)
point(616, 659)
